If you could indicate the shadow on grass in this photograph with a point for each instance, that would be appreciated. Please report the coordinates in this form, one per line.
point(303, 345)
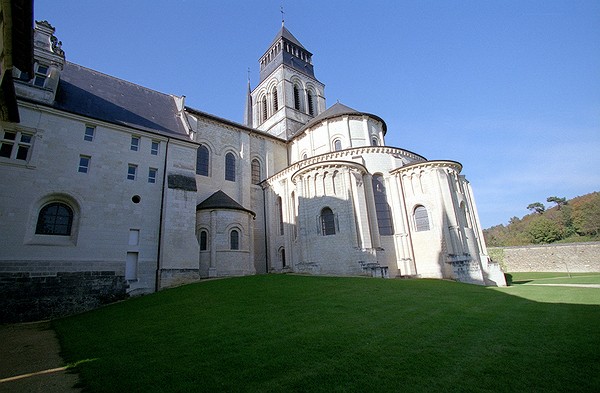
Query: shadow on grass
point(509, 280)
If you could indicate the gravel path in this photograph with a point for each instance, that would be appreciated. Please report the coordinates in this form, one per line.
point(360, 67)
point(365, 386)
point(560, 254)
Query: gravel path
point(30, 360)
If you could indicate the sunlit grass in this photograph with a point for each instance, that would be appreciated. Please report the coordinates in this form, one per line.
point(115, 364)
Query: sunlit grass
point(295, 333)
point(554, 278)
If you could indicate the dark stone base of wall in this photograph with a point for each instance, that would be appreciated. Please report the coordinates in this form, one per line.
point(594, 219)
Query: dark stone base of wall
point(25, 297)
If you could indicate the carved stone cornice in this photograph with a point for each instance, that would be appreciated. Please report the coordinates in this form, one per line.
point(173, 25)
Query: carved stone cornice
point(437, 164)
point(328, 165)
point(348, 154)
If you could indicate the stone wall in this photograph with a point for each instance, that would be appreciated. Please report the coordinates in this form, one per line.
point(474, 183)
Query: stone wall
point(25, 297)
point(571, 257)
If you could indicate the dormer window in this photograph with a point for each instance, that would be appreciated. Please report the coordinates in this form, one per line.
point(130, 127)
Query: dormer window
point(41, 74)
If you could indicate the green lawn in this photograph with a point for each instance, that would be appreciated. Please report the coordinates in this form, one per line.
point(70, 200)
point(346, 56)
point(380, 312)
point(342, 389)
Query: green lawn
point(554, 278)
point(287, 333)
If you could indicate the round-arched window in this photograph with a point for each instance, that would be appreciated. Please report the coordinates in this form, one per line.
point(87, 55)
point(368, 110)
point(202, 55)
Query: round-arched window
point(327, 222)
point(337, 145)
point(421, 219)
point(234, 239)
point(55, 218)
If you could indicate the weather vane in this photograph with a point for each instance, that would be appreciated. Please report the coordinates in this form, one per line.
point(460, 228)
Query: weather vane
point(282, 19)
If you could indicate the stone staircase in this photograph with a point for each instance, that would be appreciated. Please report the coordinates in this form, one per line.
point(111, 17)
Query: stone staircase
point(374, 269)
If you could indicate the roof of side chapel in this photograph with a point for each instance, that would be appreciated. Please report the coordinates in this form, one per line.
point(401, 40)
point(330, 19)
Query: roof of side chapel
point(220, 200)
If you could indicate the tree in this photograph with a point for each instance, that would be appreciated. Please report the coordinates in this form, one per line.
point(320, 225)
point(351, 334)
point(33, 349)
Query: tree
point(514, 220)
point(586, 219)
point(537, 207)
point(559, 201)
point(543, 230)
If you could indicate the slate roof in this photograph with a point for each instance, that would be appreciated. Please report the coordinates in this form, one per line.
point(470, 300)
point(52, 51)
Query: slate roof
point(337, 110)
point(285, 33)
point(222, 201)
point(99, 96)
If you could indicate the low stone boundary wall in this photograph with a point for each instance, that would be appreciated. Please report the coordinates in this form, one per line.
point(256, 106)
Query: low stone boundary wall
point(564, 257)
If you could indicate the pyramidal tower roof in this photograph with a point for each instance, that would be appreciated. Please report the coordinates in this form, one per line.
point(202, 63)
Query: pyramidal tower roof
point(287, 50)
point(285, 33)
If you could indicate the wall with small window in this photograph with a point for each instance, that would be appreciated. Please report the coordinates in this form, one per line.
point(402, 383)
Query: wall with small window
point(317, 208)
point(63, 217)
point(335, 134)
point(437, 203)
point(226, 242)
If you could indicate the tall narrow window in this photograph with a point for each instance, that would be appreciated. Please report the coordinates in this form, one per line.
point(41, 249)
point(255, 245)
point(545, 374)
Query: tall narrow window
point(230, 167)
point(154, 148)
point(296, 98)
point(280, 208)
point(275, 102)
point(382, 208)
point(89, 133)
point(374, 141)
point(337, 145)
point(55, 219)
point(131, 171)
point(135, 143)
point(131, 266)
point(255, 167)
point(234, 239)
point(294, 214)
point(311, 109)
point(152, 175)
point(327, 222)
point(84, 164)
point(202, 160)
point(134, 237)
point(264, 108)
point(421, 219)
point(203, 240)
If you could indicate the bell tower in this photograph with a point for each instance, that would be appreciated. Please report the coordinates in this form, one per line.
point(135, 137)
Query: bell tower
point(288, 95)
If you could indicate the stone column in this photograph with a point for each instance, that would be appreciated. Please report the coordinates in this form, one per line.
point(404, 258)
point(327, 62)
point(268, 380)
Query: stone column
point(251, 268)
point(408, 257)
point(371, 210)
point(212, 269)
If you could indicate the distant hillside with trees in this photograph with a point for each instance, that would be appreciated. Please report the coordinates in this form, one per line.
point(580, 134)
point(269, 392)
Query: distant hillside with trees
point(565, 221)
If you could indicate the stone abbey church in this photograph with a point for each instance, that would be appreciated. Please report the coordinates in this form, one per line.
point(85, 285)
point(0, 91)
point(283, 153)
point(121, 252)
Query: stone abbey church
point(110, 188)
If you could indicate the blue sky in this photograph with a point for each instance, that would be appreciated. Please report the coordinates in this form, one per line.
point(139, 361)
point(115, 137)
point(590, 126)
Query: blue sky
point(511, 89)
